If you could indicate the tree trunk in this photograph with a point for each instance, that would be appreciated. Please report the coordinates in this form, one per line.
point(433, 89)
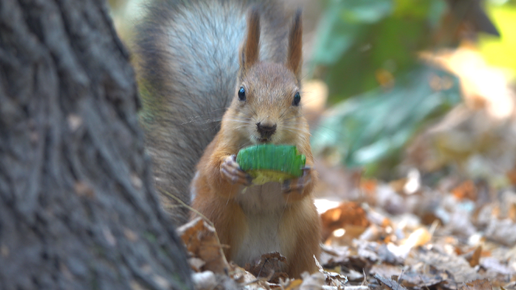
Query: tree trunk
point(77, 206)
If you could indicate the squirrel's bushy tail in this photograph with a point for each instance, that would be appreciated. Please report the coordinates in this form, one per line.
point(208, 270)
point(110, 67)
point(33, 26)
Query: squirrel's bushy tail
point(187, 64)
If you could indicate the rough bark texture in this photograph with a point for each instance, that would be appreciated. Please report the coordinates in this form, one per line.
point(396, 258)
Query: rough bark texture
point(77, 205)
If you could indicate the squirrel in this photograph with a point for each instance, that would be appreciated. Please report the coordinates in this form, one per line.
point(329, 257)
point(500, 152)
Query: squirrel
point(203, 60)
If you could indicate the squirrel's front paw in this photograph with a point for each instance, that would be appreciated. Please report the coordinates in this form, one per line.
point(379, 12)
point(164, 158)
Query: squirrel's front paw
point(297, 185)
point(233, 173)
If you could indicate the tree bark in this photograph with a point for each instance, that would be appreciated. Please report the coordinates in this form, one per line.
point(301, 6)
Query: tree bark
point(77, 206)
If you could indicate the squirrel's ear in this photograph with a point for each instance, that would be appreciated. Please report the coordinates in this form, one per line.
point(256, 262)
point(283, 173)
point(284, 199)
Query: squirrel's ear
point(295, 45)
point(249, 53)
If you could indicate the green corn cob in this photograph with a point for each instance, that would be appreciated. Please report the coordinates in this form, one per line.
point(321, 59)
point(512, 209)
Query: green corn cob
point(269, 162)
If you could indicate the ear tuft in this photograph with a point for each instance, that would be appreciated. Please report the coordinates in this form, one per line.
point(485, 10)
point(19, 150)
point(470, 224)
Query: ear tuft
point(295, 45)
point(249, 54)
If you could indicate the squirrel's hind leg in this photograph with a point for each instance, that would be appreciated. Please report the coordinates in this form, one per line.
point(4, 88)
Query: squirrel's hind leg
point(301, 234)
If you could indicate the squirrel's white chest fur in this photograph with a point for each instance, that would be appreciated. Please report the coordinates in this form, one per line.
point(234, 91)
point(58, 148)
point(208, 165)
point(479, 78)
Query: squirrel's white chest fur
point(263, 207)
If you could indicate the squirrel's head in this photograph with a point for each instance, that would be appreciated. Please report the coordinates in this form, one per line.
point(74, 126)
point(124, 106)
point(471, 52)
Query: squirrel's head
point(267, 103)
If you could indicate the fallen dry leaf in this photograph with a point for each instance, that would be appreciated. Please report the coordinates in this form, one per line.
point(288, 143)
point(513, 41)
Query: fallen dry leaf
point(465, 190)
point(346, 214)
point(202, 242)
point(204, 280)
point(480, 284)
point(389, 283)
point(473, 257)
point(374, 252)
point(511, 175)
point(386, 270)
point(502, 231)
point(372, 233)
point(456, 266)
point(294, 284)
point(417, 238)
point(196, 264)
point(494, 265)
point(312, 282)
point(333, 279)
point(271, 266)
point(424, 278)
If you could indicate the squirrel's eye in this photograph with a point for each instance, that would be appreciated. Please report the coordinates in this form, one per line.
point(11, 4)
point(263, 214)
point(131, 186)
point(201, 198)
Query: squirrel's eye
point(297, 99)
point(241, 94)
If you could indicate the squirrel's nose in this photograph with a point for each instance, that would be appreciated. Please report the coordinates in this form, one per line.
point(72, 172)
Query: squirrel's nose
point(266, 130)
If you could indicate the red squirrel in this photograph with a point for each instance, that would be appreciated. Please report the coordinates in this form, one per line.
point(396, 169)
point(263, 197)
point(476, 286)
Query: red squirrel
point(194, 70)
point(266, 108)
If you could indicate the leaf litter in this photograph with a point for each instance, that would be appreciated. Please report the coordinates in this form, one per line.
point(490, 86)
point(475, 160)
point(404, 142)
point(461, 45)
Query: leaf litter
point(450, 236)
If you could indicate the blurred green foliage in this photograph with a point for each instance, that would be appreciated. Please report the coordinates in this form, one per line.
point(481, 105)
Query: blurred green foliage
point(369, 130)
point(381, 93)
point(366, 52)
point(358, 37)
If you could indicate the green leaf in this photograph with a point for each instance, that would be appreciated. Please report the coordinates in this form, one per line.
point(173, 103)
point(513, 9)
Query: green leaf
point(359, 38)
point(342, 22)
point(373, 126)
point(335, 38)
point(365, 11)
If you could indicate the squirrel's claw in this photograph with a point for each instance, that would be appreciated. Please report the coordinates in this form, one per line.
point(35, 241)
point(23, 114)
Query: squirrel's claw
point(233, 173)
point(298, 184)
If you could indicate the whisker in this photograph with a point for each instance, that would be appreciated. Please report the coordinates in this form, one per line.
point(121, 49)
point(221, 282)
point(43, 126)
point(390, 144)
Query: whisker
point(291, 118)
point(204, 121)
point(238, 127)
point(296, 130)
point(239, 120)
point(284, 112)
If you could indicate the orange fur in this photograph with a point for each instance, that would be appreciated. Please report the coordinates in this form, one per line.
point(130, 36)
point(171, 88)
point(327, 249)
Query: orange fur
point(250, 51)
point(270, 90)
point(295, 48)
